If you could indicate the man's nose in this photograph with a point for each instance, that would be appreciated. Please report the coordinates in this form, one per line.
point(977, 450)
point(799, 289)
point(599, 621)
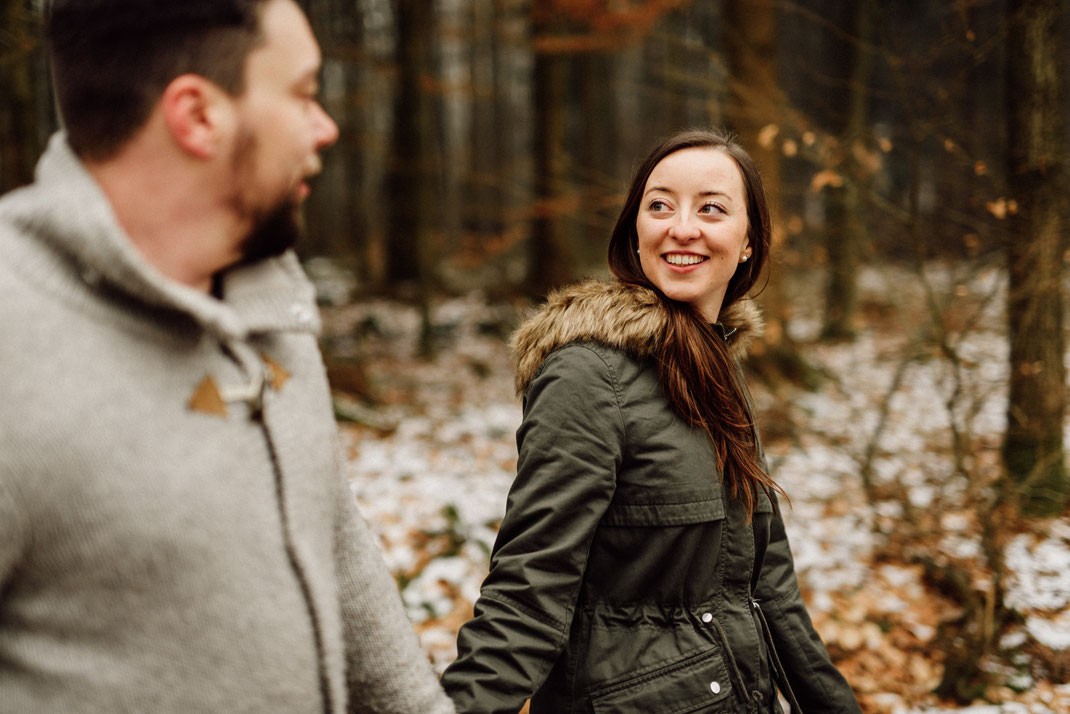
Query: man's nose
point(326, 129)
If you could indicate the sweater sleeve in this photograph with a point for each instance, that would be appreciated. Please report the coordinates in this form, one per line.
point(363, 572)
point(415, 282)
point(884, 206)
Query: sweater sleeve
point(816, 683)
point(12, 531)
point(386, 669)
point(570, 447)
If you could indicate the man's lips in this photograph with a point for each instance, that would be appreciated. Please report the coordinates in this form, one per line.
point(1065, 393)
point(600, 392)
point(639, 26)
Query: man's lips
point(312, 169)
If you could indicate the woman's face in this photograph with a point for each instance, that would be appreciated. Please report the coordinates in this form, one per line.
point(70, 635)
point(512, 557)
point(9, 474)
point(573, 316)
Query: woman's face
point(692, 227)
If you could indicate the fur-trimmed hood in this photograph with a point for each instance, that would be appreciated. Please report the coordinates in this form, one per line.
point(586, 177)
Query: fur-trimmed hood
point(625, 317)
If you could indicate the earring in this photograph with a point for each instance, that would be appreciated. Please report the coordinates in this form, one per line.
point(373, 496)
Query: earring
point(744, 259)
point(636, 250)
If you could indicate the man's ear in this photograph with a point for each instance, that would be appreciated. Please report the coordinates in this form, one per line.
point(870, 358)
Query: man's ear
point(196, 112)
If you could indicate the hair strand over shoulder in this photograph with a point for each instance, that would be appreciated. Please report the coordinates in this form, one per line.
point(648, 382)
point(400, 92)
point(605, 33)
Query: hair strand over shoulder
point(699, 378)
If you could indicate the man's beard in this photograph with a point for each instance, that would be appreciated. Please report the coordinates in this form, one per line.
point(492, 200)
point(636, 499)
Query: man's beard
point(275, 228)
point(274, 231)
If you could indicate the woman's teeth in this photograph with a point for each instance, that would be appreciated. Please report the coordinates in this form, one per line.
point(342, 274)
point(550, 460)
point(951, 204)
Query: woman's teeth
point(675, 259)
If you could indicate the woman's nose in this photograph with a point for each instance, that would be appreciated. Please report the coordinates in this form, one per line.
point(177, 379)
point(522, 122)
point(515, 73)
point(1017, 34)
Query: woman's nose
point(684, 229)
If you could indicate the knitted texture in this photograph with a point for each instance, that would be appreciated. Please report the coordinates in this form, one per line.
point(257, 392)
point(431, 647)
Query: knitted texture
point(154, 556)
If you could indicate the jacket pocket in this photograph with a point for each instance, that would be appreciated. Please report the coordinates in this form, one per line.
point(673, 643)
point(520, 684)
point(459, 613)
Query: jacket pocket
point(664, 514)
point(695, 683)
point(664, 553)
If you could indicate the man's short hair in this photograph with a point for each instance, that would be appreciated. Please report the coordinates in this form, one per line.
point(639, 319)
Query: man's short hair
point(112, 59)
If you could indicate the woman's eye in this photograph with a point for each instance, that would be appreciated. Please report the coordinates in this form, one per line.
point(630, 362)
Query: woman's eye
point(711, 208)
point(657, 206)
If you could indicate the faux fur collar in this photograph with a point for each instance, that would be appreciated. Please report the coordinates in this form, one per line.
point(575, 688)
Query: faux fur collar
point(621, 316)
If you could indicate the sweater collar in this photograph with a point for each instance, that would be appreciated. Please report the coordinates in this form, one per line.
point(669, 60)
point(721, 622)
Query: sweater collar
point(66, 208)
point(625, 317)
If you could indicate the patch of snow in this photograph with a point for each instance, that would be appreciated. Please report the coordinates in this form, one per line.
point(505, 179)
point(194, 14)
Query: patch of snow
point(1052, 633)
point(1013, 640)
point(428, 595)
point(1041, 575)
point(960, 547)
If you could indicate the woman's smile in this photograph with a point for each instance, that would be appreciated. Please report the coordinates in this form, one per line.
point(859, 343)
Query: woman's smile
point(684, 260)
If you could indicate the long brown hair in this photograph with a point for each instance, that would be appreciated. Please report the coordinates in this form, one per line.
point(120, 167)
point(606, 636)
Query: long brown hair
point(696, 372)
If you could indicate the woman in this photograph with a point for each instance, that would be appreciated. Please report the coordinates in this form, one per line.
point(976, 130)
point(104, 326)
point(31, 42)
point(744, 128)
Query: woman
point(642, 564)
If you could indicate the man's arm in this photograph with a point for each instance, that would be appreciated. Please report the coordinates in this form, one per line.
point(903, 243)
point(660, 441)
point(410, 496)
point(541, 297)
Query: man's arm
point(385, 667)
point(13, 531)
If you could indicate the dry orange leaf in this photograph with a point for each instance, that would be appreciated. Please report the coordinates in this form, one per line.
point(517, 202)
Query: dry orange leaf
point(828, 177)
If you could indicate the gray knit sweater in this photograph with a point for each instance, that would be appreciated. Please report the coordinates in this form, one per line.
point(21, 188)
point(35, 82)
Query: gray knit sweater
point(175, 534)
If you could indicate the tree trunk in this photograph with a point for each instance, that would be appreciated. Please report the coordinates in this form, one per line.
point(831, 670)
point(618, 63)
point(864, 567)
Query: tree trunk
point(484, 211)
point(844, 218)
point(407, 179)
point(1033, 446)
point(19, 142)
point(410, 193)
point(755, 101)
point(549, 255)
point(372, 125)
point(597, 153)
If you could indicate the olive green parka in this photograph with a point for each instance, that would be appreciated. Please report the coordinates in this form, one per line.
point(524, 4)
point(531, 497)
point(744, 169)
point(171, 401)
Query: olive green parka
point(623, 578)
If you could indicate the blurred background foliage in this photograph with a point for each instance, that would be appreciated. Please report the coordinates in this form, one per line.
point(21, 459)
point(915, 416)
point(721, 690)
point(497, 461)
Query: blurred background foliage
point(486, 145)
point(488, 142)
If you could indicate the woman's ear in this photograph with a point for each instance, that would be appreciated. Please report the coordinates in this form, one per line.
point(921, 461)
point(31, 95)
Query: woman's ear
point(197, 113)
point(745, 255)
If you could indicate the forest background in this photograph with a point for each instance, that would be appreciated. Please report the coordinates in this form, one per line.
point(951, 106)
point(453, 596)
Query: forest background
point(915, 152)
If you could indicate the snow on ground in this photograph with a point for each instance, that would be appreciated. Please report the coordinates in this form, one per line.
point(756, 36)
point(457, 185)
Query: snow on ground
point(434, 489)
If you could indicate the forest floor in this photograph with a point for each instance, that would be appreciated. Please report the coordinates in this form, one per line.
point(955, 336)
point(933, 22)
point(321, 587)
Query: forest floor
point(889, 460)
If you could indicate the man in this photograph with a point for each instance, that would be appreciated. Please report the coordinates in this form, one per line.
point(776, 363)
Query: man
point(175, 532)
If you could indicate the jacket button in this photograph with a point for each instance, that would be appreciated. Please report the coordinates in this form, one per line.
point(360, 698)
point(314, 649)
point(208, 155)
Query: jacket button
point(715, 687)
point(707, 617)
point(301, 313)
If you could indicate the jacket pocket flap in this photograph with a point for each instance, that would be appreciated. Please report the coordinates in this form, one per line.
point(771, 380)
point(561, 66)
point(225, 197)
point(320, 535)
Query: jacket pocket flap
point(663, 514)
point(691, 684)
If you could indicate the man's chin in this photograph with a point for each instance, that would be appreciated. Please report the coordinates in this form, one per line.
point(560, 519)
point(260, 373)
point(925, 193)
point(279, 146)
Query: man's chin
point(276, 232)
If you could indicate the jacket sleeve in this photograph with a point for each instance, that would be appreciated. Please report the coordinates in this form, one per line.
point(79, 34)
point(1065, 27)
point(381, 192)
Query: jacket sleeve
point(570, 444)
point(816, 683)
point(387, 671)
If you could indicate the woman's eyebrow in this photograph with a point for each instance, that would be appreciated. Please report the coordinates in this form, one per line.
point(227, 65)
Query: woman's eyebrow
point(701, 194)
point(722, 194)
